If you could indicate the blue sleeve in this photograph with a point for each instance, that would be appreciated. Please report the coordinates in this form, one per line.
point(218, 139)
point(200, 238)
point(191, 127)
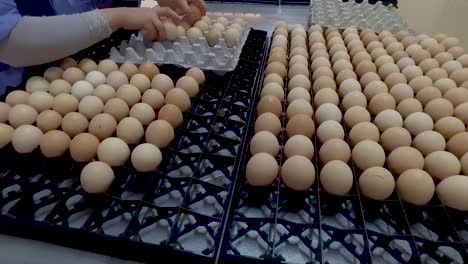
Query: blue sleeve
point(9, 16)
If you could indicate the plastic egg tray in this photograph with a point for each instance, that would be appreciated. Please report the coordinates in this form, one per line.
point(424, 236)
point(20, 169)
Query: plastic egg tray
point(180, 210)
point(362, 15)
point(219, 58)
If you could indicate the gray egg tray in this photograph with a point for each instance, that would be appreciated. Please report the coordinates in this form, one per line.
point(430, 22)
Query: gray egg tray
point(363, 15)
point(218, 58)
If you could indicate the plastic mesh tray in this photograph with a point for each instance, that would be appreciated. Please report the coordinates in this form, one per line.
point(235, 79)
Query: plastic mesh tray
point(180, 210)
point(276, 225)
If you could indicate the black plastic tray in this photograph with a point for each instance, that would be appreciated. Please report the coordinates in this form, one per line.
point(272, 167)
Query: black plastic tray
point(178, 211)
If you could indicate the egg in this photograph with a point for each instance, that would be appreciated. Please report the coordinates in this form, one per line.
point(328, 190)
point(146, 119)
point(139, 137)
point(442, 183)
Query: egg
point(451, 192)
point(275, 90)
point(428, 94)
point(352, 99)
point(146, 157)
point(415, 186)
point(379, 52)
point(442, 164)
point(420, 56)
point(194, 34)
point(53, 73)
point(445, 84)
point(300, 125)
point(337, 48)
point(90, 106)
point(368, 38)
point(382, 60)
point(140, 81)
point(418, 122)
point(179, 98)
point(356, 115)
point(278, 57)
point(443, 57)
point(319, 54)
point(397, 56)
point(26, 138)
point(128, 69)
point(299, 106)
point(65, 103)
point(464, 163)
point(369, 77)
point(299, 145)
point(67, 63)
point(451, 66)
point(420, 82)
point(281, 31)
point(374, 88)
point(405, 62)
point(404, 158)
point(459, 76)
point(22, 114)
point(159, 133)
point(81, 89)
point(342, 65)
point(6, 133)
point(59, 86)
point(394, 138)
point(373, 46)
point(102, 126)
point(439, 108)
point(149, 69)
point(364, 67)
point(461, 112)
point(401, 92)
point(298, 69)
point(264, 141)
point(408, 41)
point(326, 112)
point(457, 144)
point(48, 120)
point(202, 25)
point(129, 94)
point(360, 57)
point(437, 74)
point(354, 44)
point(340, 55)
point(367, 154)
point(328, 130)
point(363, 131)
point(298, 173)
point(116, 79)
point(37, 83)
point(376, 183)
point(449, 126)
point(450, 42)
point(298, 59)
point(334, 149)
point(83, 147)
point(95, 78)
point(4, 111)
point(273, 78)
point(107, 66)
point(171, 32)
point(172, 114)
point(261, 170)
point(324, 82)
point(163, 83)
point(325, 95)
point(428, 142)
point(72, 75)
point(336, 178)
point(104, 92)
point(299, 51)
point(113, 151)
point(394, 47)
point(269, 104)
point(74, 123)
point(117, 108)
point(96, 177)
point(388, 68)
point(411, 72)
point(381, 102)
point(457, 96)
point(428, 64)
point(268, 122)
point(87, 65)
point(41, 101)
point(54, 143)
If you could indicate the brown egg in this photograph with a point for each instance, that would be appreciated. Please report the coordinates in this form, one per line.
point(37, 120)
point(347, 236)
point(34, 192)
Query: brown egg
point(299, 81)
point(334, 149)
point(368, 78)
point(428, 142)
point(405, 158)
point(334, 41)
point(365, 32)
point(322, 71)
point(458, 144)
point(436, 49)
point(420, 82)
point(449, 126)
point(383, 60)
point(360, 57)
point(381, 102)
point(374, 88)
point(277, 57)
point(149, 69)
point(172, 114)
point(268, 122)
point(394, 79)
point(457, 96)
point(367, 154)
point(439, 108)
point(409, 106)
point(320, 62)
point(159, 133)
point(364, 131)
point(421, 55)
point(394, 138)
point(299, 51)
point(129, 94)
point(450, 42)
point(344, 75)
point(352, 99)
point(72, 75)
point(376, 183)
point(357, 50)
point(401, 92)
point(298, 69)
point(276, 67)
point(460, 76)
point(443, 57)
point(342, 65)
point(349, 85)
point(368, 38)
point(74, 123)
point(337, 48)
point(451, 66)
point(408, 41)
point(54, 143)
point(298, 59)
point(437, 74)
point(326, 112)
point(340, 55)
point(83, 147)
point(374, 45)
point(384, 34)
point(117, 108)
point(326, 95)
point(413, 49)
point(440, 37)
point(399, 55)
point(319, 46)
point(356, 115)
point(350, 30)
point(427, 94)
point(320, 53)
point(364, 67)
point(299, 106)
point(388, 68)
point(273, 78)
point(411, 72)
point(418, 122)
point(354, 44)
point(445, 84)
point(300, 125)
point(377, 53)
point(315, 28)
point(394, 47)
point(53, 73)
point(415, 186)
point(324, 82)
point(405, 62)
point(350, 37)
point(65, 103)
point(22, 114)
point(102, 126)
point(329, 130)
point(269, 104)
point(48, 120)
point(463, 60)
point(442, 164)
point(17, 97)
point(129, 69)
point(461, 112)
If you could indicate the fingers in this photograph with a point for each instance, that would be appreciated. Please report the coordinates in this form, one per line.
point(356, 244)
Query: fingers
point(201, 5)
point(161, 31)
point(149, 33)
point(183, 7)
point(168, 13)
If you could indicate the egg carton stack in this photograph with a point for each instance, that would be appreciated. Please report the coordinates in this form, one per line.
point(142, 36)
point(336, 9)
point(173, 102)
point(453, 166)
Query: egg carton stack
point(180, 207)
point(216, 55)
point(336, 13)
point(391, 112)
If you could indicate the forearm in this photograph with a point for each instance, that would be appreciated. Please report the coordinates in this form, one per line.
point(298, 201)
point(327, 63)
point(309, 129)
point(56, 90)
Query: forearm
point(38, 40)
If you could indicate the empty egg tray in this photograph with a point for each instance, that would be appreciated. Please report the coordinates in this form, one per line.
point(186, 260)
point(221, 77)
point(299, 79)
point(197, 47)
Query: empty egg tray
point(363, 15)
point(218, 58)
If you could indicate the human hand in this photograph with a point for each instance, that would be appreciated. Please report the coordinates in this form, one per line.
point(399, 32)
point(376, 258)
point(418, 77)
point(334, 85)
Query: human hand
point(147, 20)
point(182, 7)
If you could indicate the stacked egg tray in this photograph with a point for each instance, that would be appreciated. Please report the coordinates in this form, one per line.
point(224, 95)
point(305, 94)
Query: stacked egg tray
point(179, 211)
point(278, 225)
point(219, 58)
point(354, 13)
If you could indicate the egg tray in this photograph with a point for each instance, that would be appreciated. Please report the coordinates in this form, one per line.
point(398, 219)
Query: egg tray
point(179, 211)
point(277, 225)
point(360, 14)
point(218, 58)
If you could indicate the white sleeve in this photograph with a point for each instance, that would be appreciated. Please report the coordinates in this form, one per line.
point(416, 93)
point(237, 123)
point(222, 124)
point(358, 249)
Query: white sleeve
point(38, 40)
